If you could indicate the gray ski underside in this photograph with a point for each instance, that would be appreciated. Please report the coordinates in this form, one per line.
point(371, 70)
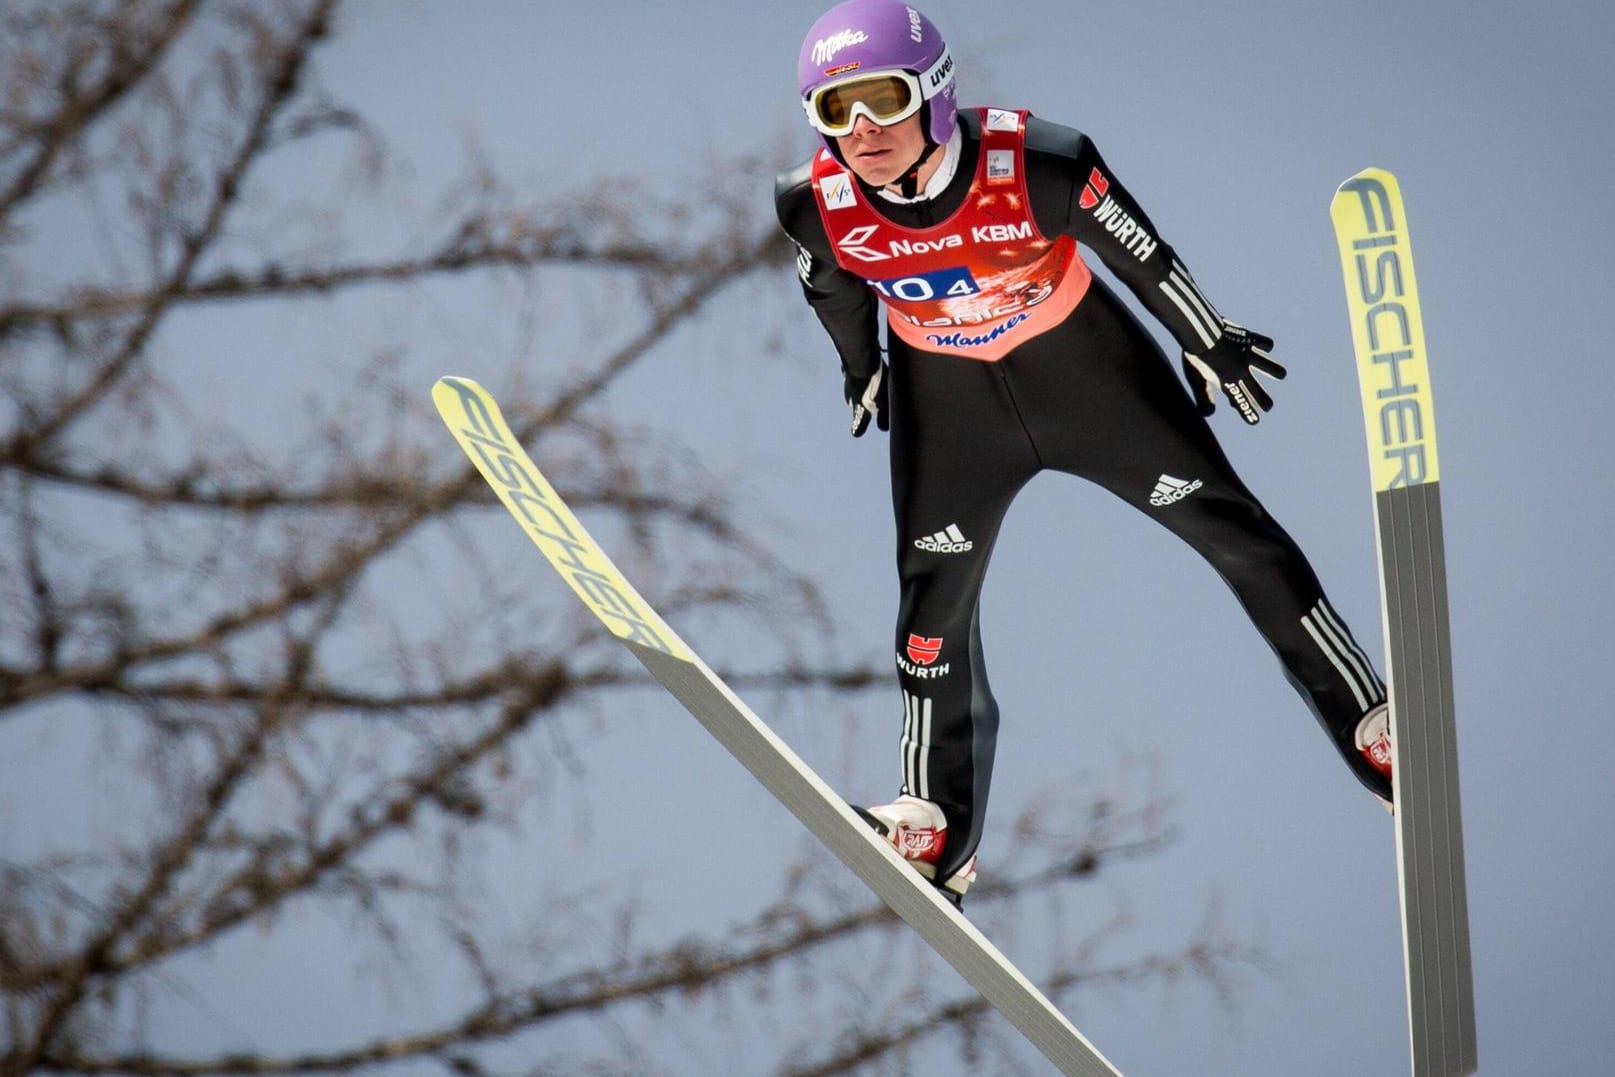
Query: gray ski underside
point(1429, 835)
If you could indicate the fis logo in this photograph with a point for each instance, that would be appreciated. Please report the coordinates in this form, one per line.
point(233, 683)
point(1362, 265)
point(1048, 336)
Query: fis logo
point(1169, 491)
point(837, 191)
point(1003, 120)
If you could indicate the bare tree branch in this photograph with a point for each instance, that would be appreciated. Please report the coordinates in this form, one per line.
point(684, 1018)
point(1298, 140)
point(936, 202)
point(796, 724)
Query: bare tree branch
point(546, 247)
point(780, 933)
point(131, 52)
point(307, 681)
point(194, 240)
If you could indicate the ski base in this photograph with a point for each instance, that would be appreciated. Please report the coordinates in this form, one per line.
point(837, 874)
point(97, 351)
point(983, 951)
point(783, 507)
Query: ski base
point(1430, 848)
point(474, 418)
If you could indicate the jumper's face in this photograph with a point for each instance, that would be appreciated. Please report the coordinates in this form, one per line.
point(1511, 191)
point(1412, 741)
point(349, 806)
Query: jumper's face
point(880, 155)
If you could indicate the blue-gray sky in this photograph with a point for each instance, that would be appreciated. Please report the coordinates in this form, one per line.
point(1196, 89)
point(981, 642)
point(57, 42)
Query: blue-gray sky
point(1232, 123)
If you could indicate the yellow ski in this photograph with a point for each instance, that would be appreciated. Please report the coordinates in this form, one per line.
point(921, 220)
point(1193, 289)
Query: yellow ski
point(1399, 417)
point(477, 424)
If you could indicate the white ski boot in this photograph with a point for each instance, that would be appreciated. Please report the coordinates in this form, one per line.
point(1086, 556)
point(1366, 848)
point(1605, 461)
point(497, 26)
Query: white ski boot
point(1374, 741)
point(918, 831)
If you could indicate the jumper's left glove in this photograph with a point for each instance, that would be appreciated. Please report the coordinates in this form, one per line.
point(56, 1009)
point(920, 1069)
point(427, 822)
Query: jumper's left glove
point(1231, 365)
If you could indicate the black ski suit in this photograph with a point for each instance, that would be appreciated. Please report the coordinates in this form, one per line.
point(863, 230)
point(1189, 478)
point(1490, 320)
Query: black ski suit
point(1095, 397)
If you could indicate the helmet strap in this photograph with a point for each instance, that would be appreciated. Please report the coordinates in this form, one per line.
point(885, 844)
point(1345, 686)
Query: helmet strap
point(909, 185)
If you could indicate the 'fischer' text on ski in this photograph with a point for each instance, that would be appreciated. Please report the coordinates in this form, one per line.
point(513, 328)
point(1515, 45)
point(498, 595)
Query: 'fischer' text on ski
point(1380, 301)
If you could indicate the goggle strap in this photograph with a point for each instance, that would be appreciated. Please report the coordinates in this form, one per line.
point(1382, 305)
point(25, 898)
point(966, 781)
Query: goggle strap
point(936, 77)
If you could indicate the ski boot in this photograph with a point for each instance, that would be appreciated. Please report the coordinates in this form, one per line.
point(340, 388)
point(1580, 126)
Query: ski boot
point(1374, 741)
point(919, 832)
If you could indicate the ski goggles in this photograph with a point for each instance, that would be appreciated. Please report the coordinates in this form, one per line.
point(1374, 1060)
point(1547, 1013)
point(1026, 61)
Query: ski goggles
point(884, 97)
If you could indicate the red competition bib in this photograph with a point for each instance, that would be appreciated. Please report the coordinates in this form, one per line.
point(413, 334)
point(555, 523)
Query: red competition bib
point(975, 285)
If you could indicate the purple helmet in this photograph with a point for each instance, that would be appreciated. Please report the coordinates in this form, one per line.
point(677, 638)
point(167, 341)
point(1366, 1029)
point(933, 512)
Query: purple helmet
point(858, 38)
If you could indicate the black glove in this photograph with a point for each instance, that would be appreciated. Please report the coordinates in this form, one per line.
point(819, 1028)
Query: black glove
point(1231, 365)
point(867, 398)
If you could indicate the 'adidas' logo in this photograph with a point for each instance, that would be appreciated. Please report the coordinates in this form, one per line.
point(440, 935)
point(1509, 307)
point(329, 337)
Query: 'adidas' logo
point(1169, 491)
point(951, 540)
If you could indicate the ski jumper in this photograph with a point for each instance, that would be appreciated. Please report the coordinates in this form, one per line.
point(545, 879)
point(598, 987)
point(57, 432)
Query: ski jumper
point(1007, 357)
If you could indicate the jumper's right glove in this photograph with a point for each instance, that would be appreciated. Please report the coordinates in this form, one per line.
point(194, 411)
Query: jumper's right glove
point(1231, 365)
point(867, 398)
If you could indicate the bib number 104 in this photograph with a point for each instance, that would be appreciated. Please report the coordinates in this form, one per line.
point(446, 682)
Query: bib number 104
point(937, 284)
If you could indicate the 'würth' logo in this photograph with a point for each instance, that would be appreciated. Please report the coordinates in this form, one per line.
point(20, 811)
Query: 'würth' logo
point(1094, 190)
point(923, 650)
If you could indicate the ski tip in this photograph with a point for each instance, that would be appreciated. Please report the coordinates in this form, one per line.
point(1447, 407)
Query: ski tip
point(453, 394)
point(1372, 170)
point(1367, 179)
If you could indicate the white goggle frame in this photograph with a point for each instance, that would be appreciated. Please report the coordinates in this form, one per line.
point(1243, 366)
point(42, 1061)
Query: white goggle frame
point(936, 79)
